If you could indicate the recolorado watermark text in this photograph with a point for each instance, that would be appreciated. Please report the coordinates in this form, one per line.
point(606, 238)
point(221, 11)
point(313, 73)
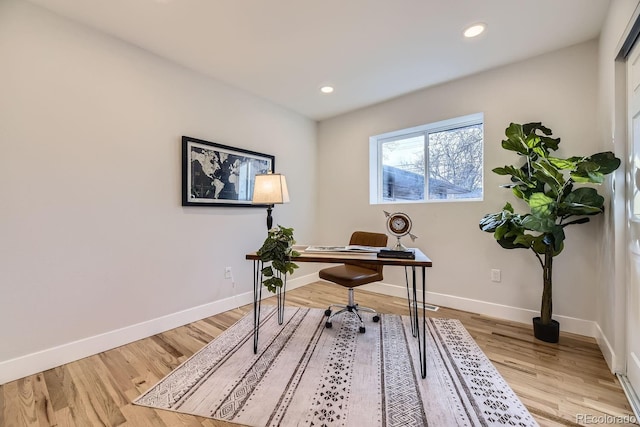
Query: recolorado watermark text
point(605, 419)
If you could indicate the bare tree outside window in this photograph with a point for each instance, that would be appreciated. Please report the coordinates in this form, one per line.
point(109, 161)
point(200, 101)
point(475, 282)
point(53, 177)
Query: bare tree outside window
point(455, 163)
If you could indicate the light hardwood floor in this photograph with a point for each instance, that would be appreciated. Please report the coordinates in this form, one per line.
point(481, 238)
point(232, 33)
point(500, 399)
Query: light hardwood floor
point(555, 381)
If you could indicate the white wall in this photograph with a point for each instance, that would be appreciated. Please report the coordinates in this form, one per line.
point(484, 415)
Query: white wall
point(611, 291)
point(93, 236)
point(559, 89)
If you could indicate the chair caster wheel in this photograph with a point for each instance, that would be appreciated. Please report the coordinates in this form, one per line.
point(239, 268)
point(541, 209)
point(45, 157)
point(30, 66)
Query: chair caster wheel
point(328, 325)
point(376, 318)
point(327, 312)
point(362, 329)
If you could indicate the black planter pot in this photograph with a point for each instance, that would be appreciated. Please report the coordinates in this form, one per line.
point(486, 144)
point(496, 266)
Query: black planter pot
point(546, 333)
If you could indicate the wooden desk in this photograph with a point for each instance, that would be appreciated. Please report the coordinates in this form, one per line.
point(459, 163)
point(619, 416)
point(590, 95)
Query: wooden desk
point(421, 262)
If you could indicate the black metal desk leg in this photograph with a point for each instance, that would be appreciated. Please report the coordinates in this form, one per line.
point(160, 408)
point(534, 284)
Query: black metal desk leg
point(280, 294)
point(257, 298)
point(410, 303)
point(421, 332)
point(416, 330)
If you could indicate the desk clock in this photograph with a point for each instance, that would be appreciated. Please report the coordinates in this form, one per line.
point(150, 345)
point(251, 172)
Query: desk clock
point(399, 224)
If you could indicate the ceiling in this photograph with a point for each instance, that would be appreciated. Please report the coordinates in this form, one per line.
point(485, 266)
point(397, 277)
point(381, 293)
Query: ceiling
point(369, 50)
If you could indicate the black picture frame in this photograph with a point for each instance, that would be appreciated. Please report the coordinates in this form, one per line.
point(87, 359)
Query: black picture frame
point(220, 175)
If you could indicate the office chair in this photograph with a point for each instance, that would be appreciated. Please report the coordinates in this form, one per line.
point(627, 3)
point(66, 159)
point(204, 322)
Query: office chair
point(353, 274)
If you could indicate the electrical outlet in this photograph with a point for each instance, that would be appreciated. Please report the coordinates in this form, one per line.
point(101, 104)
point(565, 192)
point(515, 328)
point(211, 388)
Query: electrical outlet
point(227, 273)
point(495, 275)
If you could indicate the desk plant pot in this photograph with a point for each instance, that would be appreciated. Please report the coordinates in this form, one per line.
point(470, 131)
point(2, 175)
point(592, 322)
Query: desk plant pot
point(549, 187)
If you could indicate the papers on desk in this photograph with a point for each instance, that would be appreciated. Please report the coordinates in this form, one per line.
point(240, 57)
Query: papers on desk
point(348, 248)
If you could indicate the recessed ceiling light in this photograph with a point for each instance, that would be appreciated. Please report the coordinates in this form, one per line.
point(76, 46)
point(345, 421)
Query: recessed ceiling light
point(326, 89)
point(474, 30)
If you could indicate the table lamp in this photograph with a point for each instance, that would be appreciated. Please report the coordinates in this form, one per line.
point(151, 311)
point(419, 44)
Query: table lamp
point(270, 189)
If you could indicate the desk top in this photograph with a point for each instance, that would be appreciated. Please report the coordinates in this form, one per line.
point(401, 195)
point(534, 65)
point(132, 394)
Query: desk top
point(421, 259)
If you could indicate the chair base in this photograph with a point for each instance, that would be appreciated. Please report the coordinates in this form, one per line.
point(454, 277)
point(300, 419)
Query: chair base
point(350, 307)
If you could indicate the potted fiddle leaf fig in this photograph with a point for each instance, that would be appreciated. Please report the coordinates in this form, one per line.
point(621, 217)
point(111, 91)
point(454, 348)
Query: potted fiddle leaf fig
point(278, 250)
point(550, 187)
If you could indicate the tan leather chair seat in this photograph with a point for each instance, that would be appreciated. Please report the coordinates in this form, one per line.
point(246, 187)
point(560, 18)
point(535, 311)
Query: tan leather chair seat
point(350, 275)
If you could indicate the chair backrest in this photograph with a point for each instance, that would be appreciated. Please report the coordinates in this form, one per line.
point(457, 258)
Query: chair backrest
point(366, 238)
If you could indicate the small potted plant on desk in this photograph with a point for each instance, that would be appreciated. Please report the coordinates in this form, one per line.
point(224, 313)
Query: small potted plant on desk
point(277, 250)
point(546, 184)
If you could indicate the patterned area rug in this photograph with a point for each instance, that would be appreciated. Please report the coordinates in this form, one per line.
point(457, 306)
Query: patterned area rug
point(307, 375)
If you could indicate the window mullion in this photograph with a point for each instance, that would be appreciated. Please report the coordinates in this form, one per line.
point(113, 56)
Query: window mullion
point(426, 165)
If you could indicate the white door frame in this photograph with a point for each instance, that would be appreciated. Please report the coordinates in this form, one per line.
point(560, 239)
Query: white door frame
point(622, 147)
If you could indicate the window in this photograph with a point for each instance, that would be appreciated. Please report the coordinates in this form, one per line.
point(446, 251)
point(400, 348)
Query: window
point(437, 161)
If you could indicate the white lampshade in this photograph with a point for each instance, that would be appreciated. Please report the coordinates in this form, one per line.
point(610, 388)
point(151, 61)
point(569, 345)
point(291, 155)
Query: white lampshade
point(270, 189)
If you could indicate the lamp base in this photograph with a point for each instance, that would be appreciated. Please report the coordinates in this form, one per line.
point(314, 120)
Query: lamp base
point(269, 217)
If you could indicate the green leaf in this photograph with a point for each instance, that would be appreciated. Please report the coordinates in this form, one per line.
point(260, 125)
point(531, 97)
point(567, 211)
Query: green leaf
point(507, 170)
point(524, 240)
point(550, 143)
point(518, 175)
point(533, 126)
point(267, 271)
point(532, 140)
point(291, 267)
point(542, 205)
point(518, 192)
point(607, 161)
point(544, 141)
point(582, 220)
point(558, 239)
point(550, 170)
point(511, 244)
point(582, 201)
point(540, 151)
point(562, 163)
point(491, 222)
point(542, 225)
point(586, 177)
point(551, 183)
point(512, 238)
point(585, 196)
point(515, 139)
point(279, 265)
point(505, 226)
point(592, 169)
point(501, 230)
point(272, 284)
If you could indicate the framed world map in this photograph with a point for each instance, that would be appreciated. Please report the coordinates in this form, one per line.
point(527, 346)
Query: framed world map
point(219, 175)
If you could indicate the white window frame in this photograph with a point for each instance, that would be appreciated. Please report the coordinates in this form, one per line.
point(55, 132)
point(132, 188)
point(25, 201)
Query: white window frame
point(375, 157)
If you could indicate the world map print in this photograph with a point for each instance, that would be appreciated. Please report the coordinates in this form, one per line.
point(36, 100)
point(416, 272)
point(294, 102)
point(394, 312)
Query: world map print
point(223, 175)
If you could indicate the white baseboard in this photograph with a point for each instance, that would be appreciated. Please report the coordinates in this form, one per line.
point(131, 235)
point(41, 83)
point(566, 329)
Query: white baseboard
point(607, 350)
point(516, 314)
point(30, 364)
